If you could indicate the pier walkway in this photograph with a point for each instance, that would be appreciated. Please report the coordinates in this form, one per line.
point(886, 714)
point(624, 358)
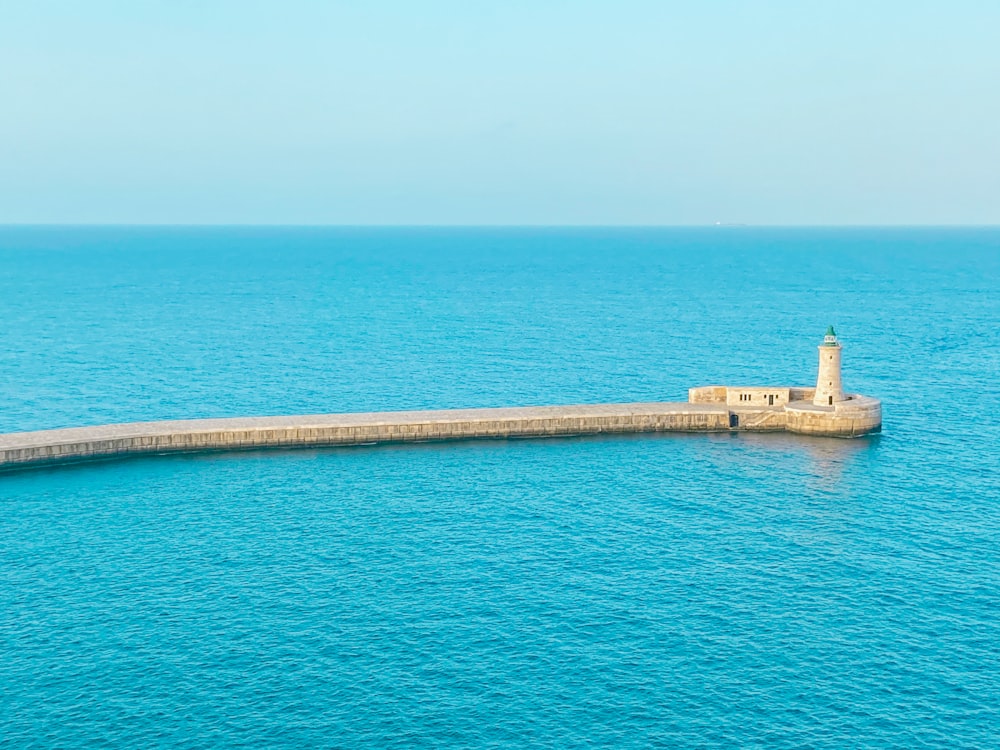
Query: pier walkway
point(46, 447)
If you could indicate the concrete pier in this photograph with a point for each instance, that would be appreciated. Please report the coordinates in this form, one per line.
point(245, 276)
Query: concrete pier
point(824, 410)
point(46, 447)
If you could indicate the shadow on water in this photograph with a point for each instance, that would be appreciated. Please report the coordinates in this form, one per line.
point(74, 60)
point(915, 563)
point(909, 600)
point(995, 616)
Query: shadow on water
point(823, 461)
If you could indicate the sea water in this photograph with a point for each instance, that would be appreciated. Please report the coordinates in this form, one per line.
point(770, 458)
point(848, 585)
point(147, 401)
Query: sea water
point(637, 591)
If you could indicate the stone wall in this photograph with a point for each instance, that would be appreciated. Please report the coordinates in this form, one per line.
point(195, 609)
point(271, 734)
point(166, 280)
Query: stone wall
point(756, 397)
point(707, 394)
point(765, 420)
point(858, 415)
point(61, 446)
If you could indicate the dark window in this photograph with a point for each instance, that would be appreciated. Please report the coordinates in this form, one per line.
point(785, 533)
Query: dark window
point(831, 400)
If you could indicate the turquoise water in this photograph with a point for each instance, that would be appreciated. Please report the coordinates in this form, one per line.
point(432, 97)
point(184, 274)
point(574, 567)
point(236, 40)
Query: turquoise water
point(656, 591)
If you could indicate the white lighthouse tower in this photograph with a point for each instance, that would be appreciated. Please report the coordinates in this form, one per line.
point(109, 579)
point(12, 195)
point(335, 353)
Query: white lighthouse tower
point(828, 387)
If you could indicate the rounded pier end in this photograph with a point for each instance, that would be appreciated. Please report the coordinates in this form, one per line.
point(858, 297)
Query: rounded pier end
point(854, 416)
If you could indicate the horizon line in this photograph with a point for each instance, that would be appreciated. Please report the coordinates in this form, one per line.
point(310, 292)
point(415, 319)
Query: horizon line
point(335, 225)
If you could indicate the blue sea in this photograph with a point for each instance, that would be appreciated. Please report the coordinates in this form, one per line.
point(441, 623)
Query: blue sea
point(731, 591)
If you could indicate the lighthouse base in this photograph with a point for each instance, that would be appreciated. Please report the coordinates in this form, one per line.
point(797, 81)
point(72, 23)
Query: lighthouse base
point(757, 409)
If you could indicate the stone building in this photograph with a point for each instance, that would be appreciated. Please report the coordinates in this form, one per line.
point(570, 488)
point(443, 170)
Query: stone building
point(828, 386)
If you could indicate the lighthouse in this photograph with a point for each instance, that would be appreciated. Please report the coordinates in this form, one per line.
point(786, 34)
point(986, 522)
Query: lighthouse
point(828, 388)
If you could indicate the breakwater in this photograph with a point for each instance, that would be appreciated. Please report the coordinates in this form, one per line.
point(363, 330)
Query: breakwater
point(107, 441)
point(45, 447)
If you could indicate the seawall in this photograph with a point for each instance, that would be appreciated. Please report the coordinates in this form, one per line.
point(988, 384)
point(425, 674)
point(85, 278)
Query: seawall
point(22, 449)
point(707, 411)
point(791, 409)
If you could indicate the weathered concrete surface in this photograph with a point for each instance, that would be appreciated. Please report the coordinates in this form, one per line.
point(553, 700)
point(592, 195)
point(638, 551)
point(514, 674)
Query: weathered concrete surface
point(707, 411)
point(853, 416)
point(755, 396)
point(82, 443)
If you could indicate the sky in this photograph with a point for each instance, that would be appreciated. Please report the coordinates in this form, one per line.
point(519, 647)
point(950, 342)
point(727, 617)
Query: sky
point(633, 112)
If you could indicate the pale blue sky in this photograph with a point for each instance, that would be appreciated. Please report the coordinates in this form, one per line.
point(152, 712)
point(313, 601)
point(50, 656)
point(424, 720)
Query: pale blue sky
point(433, 112)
